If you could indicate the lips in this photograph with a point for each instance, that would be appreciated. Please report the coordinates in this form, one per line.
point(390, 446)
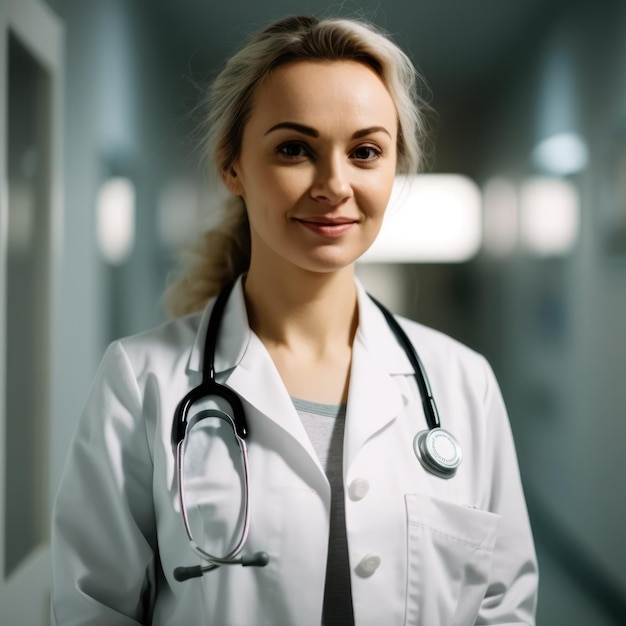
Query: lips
point(328, 227)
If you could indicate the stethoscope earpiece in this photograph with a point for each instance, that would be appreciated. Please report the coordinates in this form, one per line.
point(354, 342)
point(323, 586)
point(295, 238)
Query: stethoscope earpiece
point(438, 452)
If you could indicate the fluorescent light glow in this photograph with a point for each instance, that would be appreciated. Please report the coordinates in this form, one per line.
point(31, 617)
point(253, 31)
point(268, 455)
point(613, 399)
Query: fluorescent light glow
point(549, 216)
point(116, 219)
point(500, 217)
point(562, 154)
point(430, 218)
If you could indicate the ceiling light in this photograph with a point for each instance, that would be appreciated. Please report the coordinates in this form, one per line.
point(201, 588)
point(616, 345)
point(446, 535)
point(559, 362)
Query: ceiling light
point(116, 219)
point(561, 155)
point(500, 217)
point(549, 216)
point(431, 218)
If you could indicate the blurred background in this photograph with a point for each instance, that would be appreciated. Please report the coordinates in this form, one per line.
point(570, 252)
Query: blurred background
point(518, 241)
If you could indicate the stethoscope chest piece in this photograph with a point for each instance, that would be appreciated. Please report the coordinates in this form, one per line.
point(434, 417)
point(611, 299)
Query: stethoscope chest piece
point(438, 452)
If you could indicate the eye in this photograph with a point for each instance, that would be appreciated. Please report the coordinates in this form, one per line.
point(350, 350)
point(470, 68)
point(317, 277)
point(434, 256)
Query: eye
point(366, 153)
point(293, 150)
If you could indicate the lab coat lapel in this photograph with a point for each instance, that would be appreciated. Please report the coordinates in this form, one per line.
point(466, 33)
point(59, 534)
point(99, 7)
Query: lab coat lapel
point(257, 381)
point(374, 398)
point(243, 364)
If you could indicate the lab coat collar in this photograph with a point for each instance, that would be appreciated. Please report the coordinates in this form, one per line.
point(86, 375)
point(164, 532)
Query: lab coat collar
point(243, 363)
point(374, 398)
point(235, 335)
point(373, 401)
point(375, 335)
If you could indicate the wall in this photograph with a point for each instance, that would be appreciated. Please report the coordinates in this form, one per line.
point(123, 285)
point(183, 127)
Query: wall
point(560, 329)
point(117, 122)
point(553, 329)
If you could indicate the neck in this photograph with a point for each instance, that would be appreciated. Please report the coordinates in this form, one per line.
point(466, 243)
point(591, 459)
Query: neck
point(299, 309)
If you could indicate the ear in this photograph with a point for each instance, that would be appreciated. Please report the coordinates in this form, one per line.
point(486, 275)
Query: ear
point(232, 181)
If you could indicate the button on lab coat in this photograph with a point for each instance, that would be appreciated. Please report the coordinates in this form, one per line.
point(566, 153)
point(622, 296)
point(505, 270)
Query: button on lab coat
point(422, 550)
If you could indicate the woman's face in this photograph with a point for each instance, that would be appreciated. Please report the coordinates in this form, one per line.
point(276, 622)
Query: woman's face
point(317, 163)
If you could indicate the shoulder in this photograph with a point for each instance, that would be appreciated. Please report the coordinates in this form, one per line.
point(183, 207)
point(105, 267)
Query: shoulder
point(167, 346)
point(435, 349)
point(170, 335)
point(443, 357)
point(447, 356)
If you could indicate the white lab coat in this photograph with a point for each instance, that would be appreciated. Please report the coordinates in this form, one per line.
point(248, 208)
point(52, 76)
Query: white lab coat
point(423, 550)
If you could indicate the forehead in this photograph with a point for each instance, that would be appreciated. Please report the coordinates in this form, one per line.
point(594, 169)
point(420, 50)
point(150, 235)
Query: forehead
point(323, 92)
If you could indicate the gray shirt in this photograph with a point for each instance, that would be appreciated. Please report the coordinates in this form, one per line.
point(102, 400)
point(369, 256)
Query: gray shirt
point(324, 424)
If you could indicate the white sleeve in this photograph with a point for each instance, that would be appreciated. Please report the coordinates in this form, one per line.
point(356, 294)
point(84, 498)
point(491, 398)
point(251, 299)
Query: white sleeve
point(103, 534)
point(512, 592)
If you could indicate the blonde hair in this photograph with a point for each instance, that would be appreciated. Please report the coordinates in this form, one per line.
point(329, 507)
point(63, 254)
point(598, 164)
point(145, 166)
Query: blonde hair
point(223, 253)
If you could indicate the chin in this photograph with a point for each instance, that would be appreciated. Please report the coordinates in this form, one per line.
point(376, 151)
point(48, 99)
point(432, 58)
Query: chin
point(330, 263)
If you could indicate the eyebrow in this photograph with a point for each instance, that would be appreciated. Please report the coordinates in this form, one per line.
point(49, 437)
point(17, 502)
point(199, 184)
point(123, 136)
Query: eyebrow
point(311, 132)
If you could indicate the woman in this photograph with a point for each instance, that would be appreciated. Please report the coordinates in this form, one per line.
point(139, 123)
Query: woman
point(309, 125)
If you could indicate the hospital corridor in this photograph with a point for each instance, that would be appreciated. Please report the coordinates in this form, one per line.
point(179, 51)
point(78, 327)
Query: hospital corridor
point(511, 240)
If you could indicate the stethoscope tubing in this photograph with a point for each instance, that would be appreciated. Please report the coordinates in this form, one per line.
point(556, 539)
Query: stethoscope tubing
point(428, 401)
point(424, 441)
point(209, 386)
point(245, 499)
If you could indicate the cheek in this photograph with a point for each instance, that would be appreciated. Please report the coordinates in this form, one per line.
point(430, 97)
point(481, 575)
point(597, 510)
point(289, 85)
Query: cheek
point(287, 186)
point(378, 195)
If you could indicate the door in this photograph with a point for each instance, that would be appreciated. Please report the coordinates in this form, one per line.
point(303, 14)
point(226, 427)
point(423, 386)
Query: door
point(30, 178)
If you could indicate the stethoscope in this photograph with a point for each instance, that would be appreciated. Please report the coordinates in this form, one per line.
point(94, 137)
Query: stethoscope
point(436, 449)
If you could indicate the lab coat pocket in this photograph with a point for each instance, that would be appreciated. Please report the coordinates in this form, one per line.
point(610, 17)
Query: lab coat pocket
point(449, 553)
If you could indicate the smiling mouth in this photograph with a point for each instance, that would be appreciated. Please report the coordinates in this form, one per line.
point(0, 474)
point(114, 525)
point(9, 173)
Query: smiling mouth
point(327, 228)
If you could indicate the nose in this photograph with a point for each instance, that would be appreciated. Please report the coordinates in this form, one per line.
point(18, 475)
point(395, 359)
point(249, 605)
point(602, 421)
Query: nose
point(332, 182)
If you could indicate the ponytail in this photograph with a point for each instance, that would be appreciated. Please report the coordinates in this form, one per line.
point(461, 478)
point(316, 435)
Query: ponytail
point(218, 258)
